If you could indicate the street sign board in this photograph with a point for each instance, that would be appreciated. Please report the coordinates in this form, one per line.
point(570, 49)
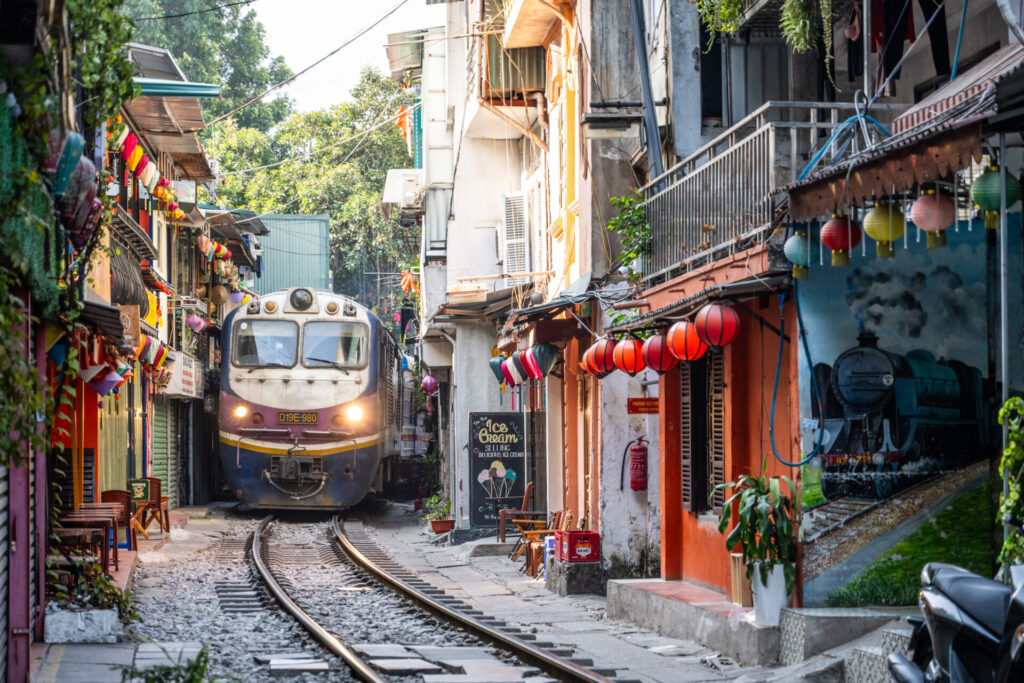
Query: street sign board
point(642, 406)
point(497, 464)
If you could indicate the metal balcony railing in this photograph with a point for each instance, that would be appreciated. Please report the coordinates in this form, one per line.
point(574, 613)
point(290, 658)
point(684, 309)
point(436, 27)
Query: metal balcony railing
point(719, 199)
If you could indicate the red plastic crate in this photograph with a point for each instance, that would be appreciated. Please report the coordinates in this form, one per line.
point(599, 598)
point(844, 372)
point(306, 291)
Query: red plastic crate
point(577, 546)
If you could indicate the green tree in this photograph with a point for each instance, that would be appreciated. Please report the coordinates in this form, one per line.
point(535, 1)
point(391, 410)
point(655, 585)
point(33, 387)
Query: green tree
point(226, 46)
point(333, 162)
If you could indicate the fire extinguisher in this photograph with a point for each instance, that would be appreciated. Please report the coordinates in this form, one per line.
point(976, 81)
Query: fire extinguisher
point(637, 450)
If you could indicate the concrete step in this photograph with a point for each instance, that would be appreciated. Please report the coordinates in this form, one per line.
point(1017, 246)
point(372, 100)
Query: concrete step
point(896, 639)
point(867, 665)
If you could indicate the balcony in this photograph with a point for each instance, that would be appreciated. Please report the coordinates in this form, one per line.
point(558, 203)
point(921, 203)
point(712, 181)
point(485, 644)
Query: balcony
point(500, 84)
point(719, 200)
point(528, 22)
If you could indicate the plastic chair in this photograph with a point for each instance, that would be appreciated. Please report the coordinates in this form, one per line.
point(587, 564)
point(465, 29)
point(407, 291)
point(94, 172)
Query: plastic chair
point(156, 507)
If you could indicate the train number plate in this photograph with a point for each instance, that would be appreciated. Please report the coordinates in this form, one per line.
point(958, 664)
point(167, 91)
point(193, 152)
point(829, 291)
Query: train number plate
point(291, 417)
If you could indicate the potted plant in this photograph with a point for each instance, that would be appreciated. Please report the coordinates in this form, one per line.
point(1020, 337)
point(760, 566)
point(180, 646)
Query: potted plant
point(765, 530)
point(437, 513)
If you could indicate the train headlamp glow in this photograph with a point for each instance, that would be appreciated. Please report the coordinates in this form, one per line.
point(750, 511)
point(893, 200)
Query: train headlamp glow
point(353, 413)
point(301, 299)
point(241, 411)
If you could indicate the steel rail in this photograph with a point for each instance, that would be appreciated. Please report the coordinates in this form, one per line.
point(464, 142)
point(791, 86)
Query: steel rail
point(360, 668)
point(550, 662)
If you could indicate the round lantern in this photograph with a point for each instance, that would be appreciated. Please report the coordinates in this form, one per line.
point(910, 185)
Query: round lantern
point(717, 324)
point(495, 364)
point(517, 363)
point(530, 364)
point(236, 297)
point(604, 355)
point(219, 295)
point(985, 193)
point(884, 224)
point(684, 343)
point(798, 250)
point(546, 356)
point(429, 385)
point(840, 234)
point(628, 356)
point(506, 369)
point(933, 213)
point(587, 362)
point(655, 353)
point(514, 372)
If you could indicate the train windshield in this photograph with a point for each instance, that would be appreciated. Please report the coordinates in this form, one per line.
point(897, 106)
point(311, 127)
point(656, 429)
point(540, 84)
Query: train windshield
point(266, 342)
point(334, 344)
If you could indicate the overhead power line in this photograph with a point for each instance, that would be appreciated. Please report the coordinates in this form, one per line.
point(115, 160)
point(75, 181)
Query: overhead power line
point(198, 11)
point(278, 86)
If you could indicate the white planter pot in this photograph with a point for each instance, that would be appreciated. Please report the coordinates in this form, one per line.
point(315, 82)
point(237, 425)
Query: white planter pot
point(770, 597)
point(81, 625)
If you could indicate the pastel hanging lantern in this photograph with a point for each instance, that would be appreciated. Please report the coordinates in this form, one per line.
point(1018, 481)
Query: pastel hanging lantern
point(628, 356)
point(684, 343)
point(530, 363)
point(885, 224)
point(717, 324)
point(933, 213)
point(128, 146)
point(495, 364)
point(236, 297)
point(604, 355)
point(517, 364)
point(840, 234)
point(798, 250)
point(429, 385)
point(141, 166)
point(512, 375)
point(546, 356)
point(985, 193)
point(656, 355)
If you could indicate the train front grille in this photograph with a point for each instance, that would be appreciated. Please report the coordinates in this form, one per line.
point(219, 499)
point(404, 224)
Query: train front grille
point(296, 468)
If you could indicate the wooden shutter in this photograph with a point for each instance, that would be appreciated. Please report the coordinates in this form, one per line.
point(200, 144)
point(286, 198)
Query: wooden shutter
point(686, 437)
point(716, 427)
point(516, 237)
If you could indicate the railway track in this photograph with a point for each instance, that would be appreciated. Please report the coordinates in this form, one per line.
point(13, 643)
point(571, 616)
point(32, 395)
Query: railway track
point(384, 602)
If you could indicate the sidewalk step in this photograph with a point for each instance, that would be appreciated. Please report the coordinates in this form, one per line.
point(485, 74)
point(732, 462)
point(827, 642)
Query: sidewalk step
point(867, 665)
point(896, 639)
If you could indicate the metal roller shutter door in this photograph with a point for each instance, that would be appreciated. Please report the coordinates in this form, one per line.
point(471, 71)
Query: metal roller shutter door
point(3, 571)
point(159, 468)
point(171, 483)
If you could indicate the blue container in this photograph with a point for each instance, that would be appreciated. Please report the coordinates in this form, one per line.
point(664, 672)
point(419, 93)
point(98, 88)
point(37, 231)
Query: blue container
point(549, 550)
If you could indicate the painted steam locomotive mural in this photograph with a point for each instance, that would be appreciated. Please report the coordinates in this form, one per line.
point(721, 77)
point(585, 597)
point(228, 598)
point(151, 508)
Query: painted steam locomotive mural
point(891, 419)
point(310, 402)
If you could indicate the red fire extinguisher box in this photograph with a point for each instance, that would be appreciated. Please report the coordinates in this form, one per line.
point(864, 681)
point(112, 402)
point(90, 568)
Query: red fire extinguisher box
point(577, 546)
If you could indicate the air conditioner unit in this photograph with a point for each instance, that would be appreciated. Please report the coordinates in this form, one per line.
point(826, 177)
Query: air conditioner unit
point(403, 187)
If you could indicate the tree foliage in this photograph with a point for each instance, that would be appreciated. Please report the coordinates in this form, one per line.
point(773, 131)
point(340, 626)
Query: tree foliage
point(226, 46)
point(334, 163)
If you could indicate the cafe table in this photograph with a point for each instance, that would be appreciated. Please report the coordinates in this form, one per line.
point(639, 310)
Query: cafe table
point(105, 518)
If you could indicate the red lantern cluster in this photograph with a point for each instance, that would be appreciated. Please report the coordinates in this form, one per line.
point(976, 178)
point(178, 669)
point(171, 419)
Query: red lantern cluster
point(840, 234)
point(684, 343)
point(717, 324)
point(604, 355)
point(656, 354)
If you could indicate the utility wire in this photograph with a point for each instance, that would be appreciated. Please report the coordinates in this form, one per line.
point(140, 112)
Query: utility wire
point(278, 86)
point(200, 11)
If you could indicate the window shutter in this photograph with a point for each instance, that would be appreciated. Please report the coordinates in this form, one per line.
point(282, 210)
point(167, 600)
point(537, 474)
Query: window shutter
point(516, 235)
point(686, 437)
point(716, 426)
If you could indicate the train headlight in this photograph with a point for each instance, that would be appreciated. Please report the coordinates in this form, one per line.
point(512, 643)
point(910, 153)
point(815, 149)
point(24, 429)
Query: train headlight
point(353, 413)
point(332, 307)
point(241, 411)
point(301, 299)
point(270, 307)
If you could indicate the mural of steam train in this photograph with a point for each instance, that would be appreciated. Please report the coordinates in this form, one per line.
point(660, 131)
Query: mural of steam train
point(892, 419)
point(311, 400)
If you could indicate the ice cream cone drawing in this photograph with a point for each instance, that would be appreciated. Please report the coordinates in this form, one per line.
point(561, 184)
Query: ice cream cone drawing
point(496, 480)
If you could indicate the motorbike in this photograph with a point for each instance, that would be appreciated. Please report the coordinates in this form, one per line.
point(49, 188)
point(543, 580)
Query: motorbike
point(971, 631)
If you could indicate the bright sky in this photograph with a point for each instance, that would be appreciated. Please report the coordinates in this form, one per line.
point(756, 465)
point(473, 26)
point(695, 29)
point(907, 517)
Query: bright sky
point(303, 31)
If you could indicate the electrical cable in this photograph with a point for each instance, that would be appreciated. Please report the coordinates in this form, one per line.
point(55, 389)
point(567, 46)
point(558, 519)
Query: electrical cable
point(821, 152)
point(278, 86)
point(802, 333)
point(959, 41)
point(199, 11)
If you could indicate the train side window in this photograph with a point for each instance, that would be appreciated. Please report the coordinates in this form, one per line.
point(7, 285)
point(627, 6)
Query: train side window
point(265, 342)
point(334, 343)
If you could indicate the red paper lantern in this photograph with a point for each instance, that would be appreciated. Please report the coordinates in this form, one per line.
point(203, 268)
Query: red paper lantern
point(840, 234)
point(628, 356)
point(603, 354)
point(717, 324)
point(684, 343)
point(655, 353)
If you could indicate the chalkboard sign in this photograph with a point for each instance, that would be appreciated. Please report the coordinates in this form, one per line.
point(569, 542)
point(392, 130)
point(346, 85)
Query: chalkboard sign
point(497, 464)
point(139, 489)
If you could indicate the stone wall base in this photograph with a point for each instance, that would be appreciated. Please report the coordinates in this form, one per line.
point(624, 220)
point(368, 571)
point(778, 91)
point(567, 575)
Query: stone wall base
point(574, 578)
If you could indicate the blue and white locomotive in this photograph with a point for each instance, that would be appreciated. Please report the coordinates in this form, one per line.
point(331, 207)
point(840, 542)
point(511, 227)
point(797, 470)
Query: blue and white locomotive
point(310, 400)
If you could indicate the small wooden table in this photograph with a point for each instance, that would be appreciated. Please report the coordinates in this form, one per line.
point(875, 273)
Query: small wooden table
point(96, 518)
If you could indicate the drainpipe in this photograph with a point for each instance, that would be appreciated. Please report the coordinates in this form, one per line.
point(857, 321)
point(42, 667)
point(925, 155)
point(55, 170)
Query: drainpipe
point(1004, 328)
point(654, 164)
point(454, 452)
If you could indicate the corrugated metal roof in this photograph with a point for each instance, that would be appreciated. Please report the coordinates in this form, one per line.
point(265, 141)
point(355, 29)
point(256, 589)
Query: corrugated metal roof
point(296, 253)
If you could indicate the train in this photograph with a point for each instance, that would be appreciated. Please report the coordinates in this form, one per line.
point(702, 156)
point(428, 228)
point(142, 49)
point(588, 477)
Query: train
point(892, 419)
point(311, 405)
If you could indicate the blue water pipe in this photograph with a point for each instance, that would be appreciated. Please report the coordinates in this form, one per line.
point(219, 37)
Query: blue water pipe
point(842, 127)
point(778, 371)
point(959, 41)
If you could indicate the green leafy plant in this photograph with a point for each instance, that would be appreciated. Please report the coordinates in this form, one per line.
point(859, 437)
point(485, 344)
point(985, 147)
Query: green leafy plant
point(632, 228)
point(721, 16)
point(183, 671)
point(95, 588)
point(1011, 506)
point(797, 21)
point(437, 507)
point(766, 525)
